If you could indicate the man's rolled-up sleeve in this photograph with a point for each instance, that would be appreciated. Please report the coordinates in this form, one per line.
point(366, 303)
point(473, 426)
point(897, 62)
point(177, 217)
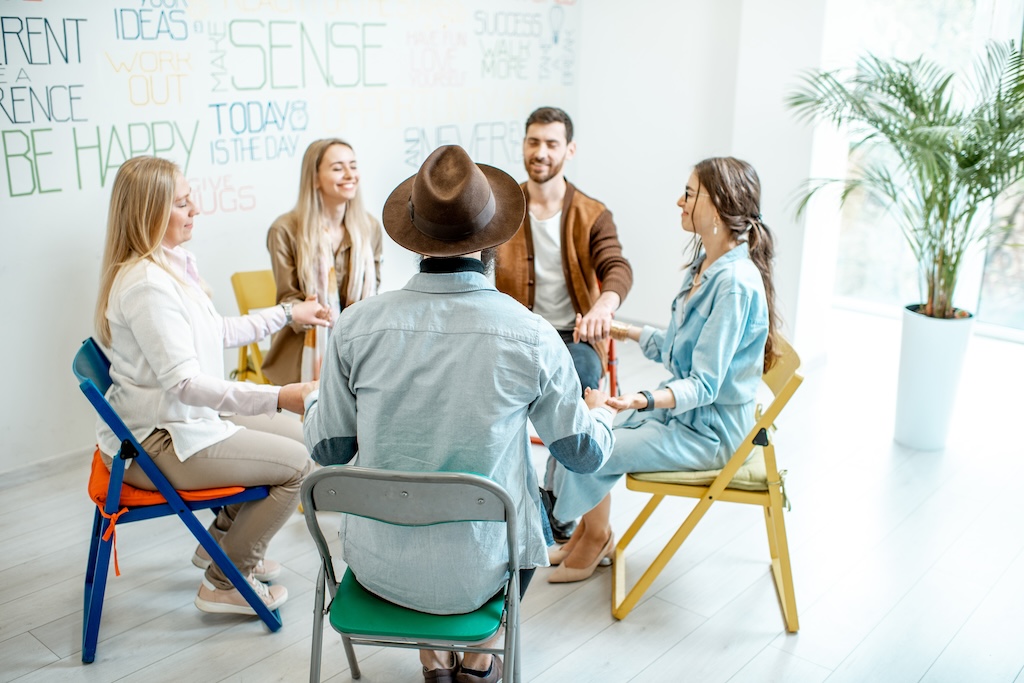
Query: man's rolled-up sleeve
point(330, 423)
point(579, 438)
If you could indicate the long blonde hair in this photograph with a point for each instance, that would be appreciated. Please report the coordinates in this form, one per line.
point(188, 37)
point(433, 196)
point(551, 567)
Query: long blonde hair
point(308, 213)
point(140, 209)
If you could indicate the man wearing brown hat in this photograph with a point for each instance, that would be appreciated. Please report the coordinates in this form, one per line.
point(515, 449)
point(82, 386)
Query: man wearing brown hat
point(566, 262)
point(442, 376)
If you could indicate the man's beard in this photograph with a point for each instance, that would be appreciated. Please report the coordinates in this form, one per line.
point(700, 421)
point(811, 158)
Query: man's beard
point(551, 170)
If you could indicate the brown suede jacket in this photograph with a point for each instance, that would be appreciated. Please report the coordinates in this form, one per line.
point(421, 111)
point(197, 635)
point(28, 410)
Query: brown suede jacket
point(592, 259)
point(283, 363)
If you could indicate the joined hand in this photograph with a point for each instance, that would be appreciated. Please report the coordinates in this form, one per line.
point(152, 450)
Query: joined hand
point(633, 401)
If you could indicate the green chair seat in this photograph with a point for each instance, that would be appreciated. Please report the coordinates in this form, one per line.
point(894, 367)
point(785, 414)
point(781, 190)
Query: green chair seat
point(358, 611)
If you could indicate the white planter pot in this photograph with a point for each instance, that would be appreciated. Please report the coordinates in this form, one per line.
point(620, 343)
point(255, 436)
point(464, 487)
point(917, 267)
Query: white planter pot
point(931, 357)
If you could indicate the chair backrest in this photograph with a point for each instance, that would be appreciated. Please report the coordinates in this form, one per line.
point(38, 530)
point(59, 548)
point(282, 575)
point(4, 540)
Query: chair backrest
point(92, 368)
point(254, 289)
point(408, 499)
point(786, 365)
point(783, 380)
point(91, 364)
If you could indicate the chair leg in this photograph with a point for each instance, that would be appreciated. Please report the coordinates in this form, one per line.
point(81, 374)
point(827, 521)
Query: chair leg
point(90, 567)
point(517, 657)
point(316, 654)
point(782, 570)
point(350, 654)
point(95, 588)
point(257, 362)
point(242, 372)
point(241, 583)
point(619, 562)
point(511, 672)
point(621, 606)
point(510, 643)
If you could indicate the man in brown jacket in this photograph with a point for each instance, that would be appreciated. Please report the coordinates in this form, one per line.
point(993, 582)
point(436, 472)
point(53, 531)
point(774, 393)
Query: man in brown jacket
point(565, 263)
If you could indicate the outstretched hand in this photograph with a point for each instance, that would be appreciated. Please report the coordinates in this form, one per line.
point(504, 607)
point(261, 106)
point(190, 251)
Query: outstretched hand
point(292, 397)
point(309, 312)
point(633, 401)
point(595, 398)
point(596, 325)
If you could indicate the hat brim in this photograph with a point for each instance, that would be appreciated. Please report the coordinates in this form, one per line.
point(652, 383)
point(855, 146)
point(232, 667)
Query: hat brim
point(510, 211)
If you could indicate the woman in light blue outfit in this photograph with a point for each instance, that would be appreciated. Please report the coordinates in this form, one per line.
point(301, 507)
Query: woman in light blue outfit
point(718, 343)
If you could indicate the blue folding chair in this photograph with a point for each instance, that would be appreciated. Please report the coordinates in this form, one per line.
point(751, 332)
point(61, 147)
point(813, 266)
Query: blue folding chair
point(92, 369)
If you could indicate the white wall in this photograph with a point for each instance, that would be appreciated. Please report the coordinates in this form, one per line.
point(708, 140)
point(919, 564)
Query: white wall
point(666, 85)
point(657, 95)
point(405, 77)
point(653, 87)
point(777, 41)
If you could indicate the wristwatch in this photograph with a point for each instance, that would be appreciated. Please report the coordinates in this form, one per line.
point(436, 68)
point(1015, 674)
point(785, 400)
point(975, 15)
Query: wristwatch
point(650, 402)
point(287, 313)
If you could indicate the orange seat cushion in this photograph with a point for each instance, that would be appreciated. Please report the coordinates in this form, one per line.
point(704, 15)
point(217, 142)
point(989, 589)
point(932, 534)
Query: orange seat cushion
point(99, 482)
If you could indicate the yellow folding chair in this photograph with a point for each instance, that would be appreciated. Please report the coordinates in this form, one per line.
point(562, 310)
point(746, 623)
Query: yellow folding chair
point(253, 289)
point(754, 482)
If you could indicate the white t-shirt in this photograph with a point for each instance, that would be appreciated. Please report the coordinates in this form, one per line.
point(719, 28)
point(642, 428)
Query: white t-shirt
point(551, 297)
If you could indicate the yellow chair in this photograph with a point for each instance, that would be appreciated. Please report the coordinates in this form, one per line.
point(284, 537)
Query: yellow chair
point(757, 482)
point(253, 289)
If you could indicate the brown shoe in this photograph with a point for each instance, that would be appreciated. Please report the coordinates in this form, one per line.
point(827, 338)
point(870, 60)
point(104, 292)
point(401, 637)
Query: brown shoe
point(443, 675)
point(493, 676)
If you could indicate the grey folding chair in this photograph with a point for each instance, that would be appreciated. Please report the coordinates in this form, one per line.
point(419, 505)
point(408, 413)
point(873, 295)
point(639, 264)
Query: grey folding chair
point(409, 499)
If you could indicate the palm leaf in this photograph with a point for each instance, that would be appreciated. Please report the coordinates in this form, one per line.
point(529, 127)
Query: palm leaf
point(942, 162)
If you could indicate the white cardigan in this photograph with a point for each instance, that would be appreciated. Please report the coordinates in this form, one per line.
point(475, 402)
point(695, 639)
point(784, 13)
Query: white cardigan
point(167, 357)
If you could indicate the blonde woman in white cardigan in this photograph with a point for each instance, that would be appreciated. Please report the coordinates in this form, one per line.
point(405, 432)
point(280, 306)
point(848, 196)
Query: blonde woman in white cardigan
point(166, 346)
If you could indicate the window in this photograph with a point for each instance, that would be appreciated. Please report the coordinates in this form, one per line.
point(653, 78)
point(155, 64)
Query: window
point(875, 268)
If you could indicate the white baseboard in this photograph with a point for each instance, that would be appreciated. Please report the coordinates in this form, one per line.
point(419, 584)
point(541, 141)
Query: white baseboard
point(42, 467)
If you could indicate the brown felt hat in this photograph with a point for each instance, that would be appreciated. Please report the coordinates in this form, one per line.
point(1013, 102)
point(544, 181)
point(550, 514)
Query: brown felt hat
point(453, 206)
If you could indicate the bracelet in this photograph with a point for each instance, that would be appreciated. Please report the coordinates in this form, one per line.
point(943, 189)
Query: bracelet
point(620, 331)
point(650, 402)
point(287, 313)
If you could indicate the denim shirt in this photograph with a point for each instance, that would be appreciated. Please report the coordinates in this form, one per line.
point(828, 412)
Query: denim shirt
point(442, 376)
point(714, 345)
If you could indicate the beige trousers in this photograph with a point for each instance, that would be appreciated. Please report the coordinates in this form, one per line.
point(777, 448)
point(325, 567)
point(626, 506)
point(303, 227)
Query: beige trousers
point(268, 452)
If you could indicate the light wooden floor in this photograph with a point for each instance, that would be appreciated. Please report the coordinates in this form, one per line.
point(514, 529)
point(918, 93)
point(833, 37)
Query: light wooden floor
point(909, 566)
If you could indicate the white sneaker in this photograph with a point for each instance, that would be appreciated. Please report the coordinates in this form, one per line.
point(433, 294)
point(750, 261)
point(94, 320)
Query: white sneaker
point(265, 570)
point(230, 601)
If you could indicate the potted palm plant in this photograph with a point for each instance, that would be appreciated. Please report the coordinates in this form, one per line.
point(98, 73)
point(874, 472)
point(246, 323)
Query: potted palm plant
point(939, 157)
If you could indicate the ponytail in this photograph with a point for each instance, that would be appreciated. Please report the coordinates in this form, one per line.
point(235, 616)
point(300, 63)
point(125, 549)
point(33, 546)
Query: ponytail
point(761, 245)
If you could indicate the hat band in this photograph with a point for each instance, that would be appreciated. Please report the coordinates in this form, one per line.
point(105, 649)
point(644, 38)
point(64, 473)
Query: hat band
point(451, 233)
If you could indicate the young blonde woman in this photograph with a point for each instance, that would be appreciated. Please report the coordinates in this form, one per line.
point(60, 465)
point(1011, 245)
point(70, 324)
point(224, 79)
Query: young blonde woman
point(326, 247)
point(166, 347)
point(720, 339)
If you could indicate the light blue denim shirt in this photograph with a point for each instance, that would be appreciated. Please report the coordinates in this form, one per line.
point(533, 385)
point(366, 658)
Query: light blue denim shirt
point(714, 348)
point(442, 376)
point(714, 345)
